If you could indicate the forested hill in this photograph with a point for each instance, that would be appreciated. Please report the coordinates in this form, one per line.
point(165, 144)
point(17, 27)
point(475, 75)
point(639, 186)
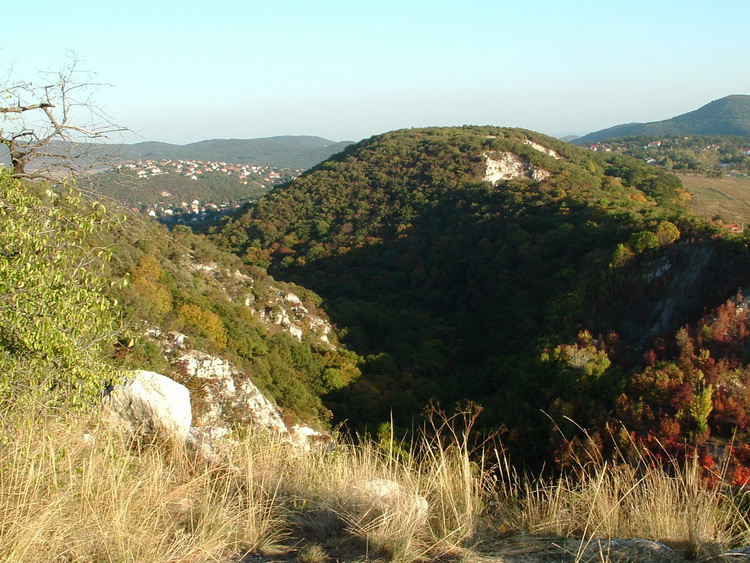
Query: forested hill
point(726, 116)
point(281, 152)
point(497, 265)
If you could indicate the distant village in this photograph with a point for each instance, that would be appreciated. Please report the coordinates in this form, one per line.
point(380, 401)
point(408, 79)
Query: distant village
point(195, 210)
point(606, 147)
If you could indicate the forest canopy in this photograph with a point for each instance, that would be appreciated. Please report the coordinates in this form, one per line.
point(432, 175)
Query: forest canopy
point(453, 286)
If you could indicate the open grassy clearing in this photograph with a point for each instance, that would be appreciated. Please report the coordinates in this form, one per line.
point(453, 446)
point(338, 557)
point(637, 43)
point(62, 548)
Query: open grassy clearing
point(727, 197)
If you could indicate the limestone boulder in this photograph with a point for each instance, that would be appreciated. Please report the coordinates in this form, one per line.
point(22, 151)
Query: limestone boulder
point(147, 404)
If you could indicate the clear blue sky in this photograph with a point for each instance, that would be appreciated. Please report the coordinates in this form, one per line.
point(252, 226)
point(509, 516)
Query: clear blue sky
point(345, 70)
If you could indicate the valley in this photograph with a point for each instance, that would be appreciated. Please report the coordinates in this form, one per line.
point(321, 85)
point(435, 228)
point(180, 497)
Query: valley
point(375, 282)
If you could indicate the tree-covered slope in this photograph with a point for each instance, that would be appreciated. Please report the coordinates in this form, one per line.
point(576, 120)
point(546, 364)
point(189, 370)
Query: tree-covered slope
point(725, 116)
point(459, 260)
point(274, 333)
point(83, 285)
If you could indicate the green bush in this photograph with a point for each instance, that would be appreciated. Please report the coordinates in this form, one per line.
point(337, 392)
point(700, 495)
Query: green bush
point(55, 314)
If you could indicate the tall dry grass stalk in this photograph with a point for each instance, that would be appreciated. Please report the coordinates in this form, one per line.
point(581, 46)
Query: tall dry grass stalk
point(672, 505)
point(404, 501)
point(72, 491)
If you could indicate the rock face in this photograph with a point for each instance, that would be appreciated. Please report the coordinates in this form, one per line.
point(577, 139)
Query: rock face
point(226, 395)
point(272, 303)
point(147, 404)
point(210, 399)
point(504, 166)
point(286, 310)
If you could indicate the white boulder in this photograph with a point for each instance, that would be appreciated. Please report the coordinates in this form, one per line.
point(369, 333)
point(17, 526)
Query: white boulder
point(146, 404)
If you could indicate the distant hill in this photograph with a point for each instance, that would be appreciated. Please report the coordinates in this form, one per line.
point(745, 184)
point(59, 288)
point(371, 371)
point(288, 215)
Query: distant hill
point(252, 167)
point(293, 152)
point(726, 116)
point(281, 152)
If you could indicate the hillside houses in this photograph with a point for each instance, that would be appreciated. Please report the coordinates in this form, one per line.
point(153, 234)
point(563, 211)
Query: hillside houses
point(171, 208)
point(195, 168)
point(186, 212)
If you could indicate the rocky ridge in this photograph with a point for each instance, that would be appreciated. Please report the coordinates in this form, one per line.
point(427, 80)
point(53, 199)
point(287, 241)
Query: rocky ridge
point(274, 304)
point(223, 398)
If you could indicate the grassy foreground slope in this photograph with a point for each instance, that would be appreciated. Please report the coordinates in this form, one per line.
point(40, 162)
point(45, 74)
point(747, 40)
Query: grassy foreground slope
point(104, 501)
point(535, 292)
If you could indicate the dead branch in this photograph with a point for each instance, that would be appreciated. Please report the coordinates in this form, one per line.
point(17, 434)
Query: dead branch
point(49, 129)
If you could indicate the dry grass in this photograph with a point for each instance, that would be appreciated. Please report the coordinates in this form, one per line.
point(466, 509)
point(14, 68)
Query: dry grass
point(625, 502)
point(677, 505)
point(70, 491)
point(727, 197)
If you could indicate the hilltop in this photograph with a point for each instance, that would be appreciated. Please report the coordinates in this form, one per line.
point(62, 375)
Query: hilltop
point(496, 265)
point(726, 116)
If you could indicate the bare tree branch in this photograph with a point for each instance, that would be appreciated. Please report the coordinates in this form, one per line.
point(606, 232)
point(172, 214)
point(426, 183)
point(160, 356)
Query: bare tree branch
point(48, 129)
point(19, 109)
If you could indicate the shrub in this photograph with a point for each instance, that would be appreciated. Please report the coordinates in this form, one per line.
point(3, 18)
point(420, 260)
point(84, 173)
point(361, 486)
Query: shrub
point(205, 323)
point(55, 314)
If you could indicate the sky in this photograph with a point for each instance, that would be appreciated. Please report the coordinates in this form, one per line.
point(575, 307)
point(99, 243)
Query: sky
point(185, 71)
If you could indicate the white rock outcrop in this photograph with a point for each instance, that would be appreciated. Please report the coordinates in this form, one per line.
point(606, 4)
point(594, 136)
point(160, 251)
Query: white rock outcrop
point(305, 438)
point(543, 149)
point(272, 303)
point(227, 395)
point(504, 166)
point(223, 399)
point(286, 310)
point(146, 404)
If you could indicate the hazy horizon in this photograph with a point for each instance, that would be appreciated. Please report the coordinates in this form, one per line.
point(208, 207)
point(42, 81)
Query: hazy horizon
point(185, 72)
